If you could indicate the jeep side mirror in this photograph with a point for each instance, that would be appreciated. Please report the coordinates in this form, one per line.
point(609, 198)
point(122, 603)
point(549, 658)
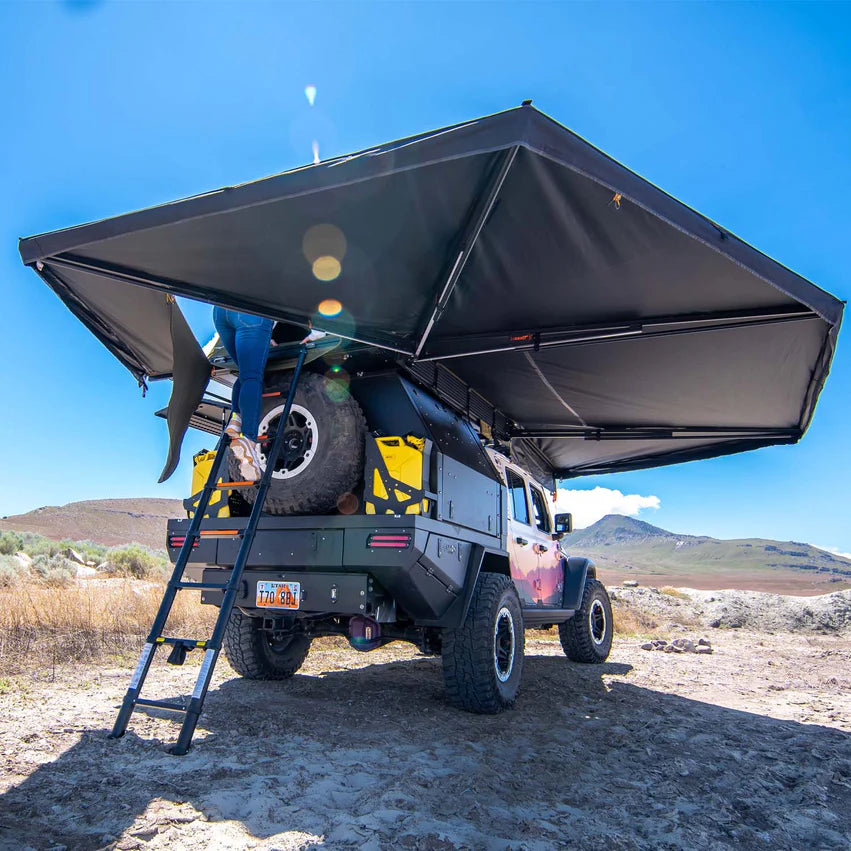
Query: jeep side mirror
point(564, 524)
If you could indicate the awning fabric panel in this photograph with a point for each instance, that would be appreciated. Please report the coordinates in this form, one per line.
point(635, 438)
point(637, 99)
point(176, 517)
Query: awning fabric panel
point(258, 253)
point(605, 306)
point(133, 322)
point(724, 385)
point(584, 259)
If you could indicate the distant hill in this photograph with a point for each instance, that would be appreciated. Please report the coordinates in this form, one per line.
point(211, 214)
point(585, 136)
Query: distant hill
point(627, 548)
point(622, 547)
point(104, 521)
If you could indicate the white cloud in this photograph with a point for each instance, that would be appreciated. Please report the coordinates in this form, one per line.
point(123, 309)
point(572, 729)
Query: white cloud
point(588, 506)
point(834, 551)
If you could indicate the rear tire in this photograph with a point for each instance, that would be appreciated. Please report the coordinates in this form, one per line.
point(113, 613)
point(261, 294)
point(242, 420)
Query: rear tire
point(483, 658)
point(587, 636)
point(323, 453)
point(257, 655)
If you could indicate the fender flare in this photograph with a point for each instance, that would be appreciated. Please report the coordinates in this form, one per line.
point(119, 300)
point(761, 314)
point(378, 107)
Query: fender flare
point(576, 570)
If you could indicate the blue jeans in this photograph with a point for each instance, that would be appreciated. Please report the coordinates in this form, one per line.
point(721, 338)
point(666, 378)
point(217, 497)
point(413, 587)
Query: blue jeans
point(246, 339)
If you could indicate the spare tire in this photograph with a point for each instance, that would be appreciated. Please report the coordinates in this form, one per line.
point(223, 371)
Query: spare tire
point(321, 460)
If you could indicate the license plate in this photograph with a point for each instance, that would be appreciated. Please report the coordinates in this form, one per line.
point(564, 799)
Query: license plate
point(278, 595)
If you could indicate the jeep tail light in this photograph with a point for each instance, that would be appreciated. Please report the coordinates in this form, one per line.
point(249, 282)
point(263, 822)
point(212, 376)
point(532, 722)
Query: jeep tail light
point(179, 541)
point(396, 540)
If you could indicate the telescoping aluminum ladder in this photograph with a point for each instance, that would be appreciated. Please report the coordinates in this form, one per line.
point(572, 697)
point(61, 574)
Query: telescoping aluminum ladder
point(212, 646)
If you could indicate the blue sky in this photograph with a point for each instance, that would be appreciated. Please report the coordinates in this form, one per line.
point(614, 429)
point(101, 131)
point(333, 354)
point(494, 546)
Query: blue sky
point(742, 111)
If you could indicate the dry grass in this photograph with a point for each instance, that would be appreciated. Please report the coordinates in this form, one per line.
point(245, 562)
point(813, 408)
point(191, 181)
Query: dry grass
point(674, 592)
point(629, 620)
point(100, 620)
point(93, 621)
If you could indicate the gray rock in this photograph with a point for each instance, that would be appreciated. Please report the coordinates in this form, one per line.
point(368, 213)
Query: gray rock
point(648, 646)
point(703, 648)
point(703, 642)
point(24, 561)
point(630, 583)
point(73, 555)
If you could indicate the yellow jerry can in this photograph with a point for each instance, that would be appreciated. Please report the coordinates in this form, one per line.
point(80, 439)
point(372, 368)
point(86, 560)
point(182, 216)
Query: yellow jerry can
point(202, 462)
point(395, 469)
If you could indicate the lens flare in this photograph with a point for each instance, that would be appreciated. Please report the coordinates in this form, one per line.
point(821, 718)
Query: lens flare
point(336, 385)
point(323, 240)
point(327, 268)
point(316, 159)
point(330, 307)
point(347, 503)
point(343, 325)
point(310, 94)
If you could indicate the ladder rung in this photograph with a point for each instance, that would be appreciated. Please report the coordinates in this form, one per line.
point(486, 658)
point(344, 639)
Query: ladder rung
point(200, 586)
point(186, 642)
point(161, 704)
point(223, 485)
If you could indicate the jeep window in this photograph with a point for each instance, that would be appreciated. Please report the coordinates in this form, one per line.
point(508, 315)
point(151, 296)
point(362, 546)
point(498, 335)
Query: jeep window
point(517, 494)
point(542, 517)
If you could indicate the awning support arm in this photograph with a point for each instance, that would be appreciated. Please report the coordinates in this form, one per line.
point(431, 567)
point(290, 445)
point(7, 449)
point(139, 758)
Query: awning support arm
point(472, 229)
point(580, 335)
point(659, 433)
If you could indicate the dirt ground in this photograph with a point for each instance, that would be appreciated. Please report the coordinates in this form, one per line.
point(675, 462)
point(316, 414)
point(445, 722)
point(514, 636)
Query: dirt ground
point(749, 747)
point(774, 581)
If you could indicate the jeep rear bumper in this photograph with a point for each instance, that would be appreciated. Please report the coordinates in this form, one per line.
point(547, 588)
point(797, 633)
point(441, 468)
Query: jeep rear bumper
point(423, 566)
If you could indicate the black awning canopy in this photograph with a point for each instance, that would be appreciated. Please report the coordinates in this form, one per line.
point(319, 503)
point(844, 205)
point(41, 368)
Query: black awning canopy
point(614, 327)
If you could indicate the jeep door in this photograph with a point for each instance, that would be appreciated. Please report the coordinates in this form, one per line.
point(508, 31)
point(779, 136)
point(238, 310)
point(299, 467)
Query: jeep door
point(550, 573)
point(521, 538)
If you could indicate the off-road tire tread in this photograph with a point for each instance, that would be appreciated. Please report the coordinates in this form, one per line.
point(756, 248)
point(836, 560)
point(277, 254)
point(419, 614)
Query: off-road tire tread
point(341, 470)
point(244, 653)
point(467, 651)
point(574, 635)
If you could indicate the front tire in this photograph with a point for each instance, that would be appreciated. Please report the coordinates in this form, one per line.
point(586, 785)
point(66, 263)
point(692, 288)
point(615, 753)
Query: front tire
point(483, 658)
point(256, 654)
point(587, 636)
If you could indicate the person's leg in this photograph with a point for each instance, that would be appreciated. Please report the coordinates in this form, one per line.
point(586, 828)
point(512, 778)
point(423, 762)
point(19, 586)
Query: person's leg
point(253, 334)
point(223, 322)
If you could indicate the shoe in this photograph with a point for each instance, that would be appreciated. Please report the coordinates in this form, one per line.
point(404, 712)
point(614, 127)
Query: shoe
point(245, 452)
point(234, 427)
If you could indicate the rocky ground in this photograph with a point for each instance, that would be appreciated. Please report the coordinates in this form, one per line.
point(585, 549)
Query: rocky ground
point(826, 614)
point(745, 747)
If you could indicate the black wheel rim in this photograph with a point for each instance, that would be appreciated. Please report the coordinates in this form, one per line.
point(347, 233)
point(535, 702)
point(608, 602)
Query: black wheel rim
point(597, 622)
point(503, 644)
point(301, 440)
